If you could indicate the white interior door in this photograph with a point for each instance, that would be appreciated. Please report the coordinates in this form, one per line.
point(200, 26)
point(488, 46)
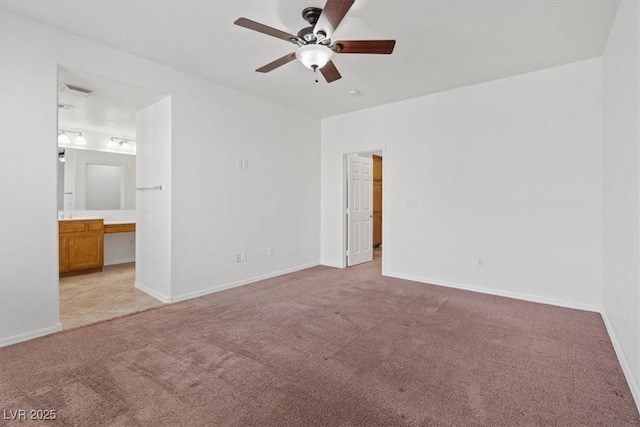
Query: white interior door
point(359, 209)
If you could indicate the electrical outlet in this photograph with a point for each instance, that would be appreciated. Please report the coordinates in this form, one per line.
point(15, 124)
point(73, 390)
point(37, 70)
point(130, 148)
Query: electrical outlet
point(270, 251)
point(245, 164)
point(238, 257)
point(480, 262)
point(244, 256)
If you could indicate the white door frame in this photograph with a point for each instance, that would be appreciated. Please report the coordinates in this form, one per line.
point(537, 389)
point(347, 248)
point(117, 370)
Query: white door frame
point(345, 220)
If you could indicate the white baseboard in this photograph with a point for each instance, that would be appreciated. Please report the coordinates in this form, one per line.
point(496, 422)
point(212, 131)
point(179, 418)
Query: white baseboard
point(633, 385)
point(15, 339)
point(157, 295)
point(120, 261)
point(242, 282)
point(330, 264)
point(489, 291)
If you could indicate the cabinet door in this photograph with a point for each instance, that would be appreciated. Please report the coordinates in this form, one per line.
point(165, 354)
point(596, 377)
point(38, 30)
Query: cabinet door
point(377, 229)
point(86, 251)
point(377, 196)
point(377, 168)
point(63, 253)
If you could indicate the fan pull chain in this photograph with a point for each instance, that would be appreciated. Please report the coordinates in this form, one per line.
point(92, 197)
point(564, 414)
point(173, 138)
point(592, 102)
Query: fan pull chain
point(315, 69)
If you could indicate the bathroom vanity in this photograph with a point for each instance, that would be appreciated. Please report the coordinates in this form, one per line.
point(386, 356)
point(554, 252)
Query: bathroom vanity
point(81, 245)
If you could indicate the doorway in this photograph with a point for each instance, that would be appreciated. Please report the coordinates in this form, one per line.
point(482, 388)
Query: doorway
point(363, 205)
point(97, 167)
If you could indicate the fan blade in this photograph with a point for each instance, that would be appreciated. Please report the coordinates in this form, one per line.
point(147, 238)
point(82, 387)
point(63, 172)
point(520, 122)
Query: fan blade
point(330, 72)
point(264, 29)
point(332, 15)
point(382, 47)
point(277, 63)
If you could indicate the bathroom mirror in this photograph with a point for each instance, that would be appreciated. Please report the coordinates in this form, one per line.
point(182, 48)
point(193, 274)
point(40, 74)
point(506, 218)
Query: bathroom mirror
point(96, 180)
point(104, 189)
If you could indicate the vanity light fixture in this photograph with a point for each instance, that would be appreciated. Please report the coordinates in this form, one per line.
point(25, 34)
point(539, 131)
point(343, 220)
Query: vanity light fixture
point(120, 143)
point(80, 140)
point(63, 138)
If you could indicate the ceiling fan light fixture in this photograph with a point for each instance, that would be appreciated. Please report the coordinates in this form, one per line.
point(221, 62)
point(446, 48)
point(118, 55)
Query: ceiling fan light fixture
point(314, 56)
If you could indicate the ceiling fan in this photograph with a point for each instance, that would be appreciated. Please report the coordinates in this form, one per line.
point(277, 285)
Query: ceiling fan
point(315, 48)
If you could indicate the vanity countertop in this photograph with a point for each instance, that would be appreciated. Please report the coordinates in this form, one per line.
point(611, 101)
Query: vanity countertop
point(119, 221)
point(106, 221)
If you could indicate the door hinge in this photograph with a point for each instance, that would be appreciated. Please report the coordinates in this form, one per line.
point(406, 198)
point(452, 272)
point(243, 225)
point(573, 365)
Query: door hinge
point(346, 253)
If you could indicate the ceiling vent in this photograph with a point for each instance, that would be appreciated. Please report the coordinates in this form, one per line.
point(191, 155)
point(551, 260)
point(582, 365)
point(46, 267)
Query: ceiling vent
point(75, 90)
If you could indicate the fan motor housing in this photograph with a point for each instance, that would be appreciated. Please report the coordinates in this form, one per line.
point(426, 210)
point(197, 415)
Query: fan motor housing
point(307, 35)
point(311, 15)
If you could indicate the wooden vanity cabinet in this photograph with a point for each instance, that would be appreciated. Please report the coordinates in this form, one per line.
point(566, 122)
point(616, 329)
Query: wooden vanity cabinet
point(81, 245)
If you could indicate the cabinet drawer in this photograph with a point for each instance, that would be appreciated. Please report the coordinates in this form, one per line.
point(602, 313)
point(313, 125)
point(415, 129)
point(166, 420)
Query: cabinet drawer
point(80, 226)
point(96, 225)
point(71, 226)
point(120, 228)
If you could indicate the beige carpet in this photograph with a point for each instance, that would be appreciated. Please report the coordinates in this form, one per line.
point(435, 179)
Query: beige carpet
point(327, 347)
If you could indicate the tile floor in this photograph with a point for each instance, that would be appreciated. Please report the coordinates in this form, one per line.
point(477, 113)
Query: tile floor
point(94, 297)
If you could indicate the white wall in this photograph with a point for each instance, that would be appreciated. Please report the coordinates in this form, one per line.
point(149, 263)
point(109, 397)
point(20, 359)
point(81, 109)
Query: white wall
point(153, 219)
point(621, 166)
point(119, 248)
point(509, 171)
point(275, 202)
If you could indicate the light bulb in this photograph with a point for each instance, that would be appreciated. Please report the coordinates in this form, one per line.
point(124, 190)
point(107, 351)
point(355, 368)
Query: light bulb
point(63, 138)
point(314, 55)
point(80, 140)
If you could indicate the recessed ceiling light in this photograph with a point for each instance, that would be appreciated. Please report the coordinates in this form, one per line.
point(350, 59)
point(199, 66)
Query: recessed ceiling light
point(354, 92)
point(66, 107)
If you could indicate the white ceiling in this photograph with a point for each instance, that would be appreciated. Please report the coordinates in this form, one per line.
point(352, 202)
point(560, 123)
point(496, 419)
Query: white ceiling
point(440, 44)
point(111, 108)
